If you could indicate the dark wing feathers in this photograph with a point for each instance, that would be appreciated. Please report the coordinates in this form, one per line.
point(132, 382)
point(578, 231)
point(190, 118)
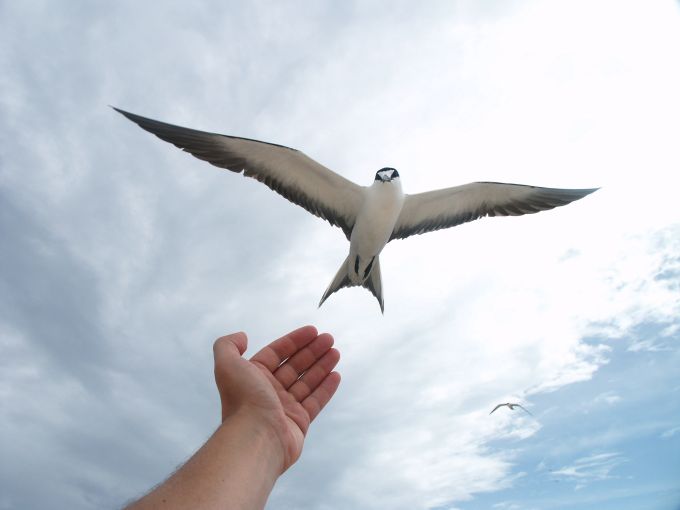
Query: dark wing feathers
point(434, 210)
point(287, 171)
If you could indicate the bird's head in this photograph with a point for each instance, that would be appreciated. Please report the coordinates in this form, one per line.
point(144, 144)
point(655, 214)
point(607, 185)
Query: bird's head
point(386, 174)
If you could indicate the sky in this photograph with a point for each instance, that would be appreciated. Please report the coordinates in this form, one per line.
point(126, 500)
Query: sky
point(122, 259)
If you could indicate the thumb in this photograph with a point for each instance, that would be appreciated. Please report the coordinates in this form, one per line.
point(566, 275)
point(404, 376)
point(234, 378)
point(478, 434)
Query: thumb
point(227, 351)
point(229, 347)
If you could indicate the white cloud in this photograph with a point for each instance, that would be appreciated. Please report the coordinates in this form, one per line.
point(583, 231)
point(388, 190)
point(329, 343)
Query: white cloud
point(507, 505)
point(671, 331)
point(648, 345)
point(596, 467)
point(608, 397)
point(670, 432)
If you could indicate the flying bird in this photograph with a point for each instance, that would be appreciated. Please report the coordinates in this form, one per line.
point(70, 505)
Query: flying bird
point(369, 216)
point(511, 406)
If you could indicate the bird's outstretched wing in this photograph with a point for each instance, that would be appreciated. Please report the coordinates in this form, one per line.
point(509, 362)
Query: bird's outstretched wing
point(525, 410)
point(434, 210)
point(287, 171)
point(499, 405)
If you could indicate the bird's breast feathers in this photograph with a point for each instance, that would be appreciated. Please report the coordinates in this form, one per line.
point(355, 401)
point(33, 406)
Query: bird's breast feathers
point(382, 204)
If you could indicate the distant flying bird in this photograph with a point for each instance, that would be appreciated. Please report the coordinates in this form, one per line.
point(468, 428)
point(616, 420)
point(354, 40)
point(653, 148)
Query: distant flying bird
point(370, 216)
point(511, 406)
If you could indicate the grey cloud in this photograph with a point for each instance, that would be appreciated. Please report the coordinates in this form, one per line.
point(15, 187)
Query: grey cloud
point(48, 294)
point(63, 410)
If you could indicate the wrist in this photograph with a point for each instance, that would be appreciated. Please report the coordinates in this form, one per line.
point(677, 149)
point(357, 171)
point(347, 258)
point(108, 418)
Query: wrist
point(263, 432)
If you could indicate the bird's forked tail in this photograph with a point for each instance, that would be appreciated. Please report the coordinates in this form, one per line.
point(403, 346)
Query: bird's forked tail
point(373, 283)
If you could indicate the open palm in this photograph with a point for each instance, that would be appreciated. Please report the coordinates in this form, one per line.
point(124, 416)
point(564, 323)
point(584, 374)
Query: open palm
point(286, 384)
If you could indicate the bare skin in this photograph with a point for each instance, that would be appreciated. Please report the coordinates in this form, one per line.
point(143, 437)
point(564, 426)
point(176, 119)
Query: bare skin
point(267, 407)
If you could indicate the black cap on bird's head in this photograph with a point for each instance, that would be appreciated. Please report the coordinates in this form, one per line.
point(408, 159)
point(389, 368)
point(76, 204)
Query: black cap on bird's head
point(386, 174)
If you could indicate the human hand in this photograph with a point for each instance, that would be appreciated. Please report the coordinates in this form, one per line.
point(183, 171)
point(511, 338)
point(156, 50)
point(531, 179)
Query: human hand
point(284, 386)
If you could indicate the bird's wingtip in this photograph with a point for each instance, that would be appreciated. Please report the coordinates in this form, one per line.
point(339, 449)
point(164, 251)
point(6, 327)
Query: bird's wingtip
point(122, 112)
point(323, 299)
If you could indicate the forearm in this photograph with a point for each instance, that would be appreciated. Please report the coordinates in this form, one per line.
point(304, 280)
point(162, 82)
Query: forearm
point(235, 470)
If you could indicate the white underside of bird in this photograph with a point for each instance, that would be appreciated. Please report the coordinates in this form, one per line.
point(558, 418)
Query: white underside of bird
point(370, 216)
point(374, 225)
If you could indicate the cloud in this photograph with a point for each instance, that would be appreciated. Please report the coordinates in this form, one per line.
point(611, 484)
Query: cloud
point(667, 434)
point(648, 346)
point(506, 505)
point(608, 397)
point(596, 467)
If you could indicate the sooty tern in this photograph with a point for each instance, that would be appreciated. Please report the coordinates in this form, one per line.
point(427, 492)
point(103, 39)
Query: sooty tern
point(370, 216)
point(511, 406)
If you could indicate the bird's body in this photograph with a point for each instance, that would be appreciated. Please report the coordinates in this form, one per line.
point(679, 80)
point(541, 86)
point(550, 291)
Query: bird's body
point(375, 223)
point(379, 211)
point(369, 216)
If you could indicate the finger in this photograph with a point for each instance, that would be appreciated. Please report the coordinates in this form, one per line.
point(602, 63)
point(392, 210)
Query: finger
point(280, 350)
point(228, 346)
point(311, 379)
point(314, 403)
point(290, 371)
